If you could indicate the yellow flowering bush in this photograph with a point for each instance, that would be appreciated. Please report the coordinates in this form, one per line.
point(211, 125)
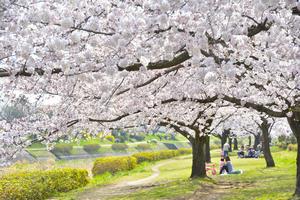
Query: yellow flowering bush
point(39, 185)
point(113, 164)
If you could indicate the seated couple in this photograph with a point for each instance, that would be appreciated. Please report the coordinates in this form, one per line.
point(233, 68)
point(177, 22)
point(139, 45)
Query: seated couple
point(228, 167)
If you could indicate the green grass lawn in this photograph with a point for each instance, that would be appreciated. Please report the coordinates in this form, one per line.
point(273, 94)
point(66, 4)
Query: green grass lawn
point(257, 182)
point(265, 183)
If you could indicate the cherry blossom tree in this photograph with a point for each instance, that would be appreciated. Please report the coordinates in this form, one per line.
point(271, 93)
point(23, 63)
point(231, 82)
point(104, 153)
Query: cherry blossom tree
point(246, 53)
point(245, 122)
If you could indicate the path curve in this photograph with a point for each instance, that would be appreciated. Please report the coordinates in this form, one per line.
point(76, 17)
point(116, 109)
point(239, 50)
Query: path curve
point(155, 174)
point(122, 188)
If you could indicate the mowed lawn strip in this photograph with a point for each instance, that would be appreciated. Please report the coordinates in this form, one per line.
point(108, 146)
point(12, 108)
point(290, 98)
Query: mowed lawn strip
point(257, 181)
point(264, 183)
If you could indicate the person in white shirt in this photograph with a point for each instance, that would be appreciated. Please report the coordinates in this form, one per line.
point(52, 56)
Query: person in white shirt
point(226, 148)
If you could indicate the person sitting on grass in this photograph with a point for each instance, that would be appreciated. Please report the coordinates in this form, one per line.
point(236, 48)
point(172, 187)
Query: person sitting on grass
point(222, 163)
point(251, 153)
point(241, 153)
point(228, 167)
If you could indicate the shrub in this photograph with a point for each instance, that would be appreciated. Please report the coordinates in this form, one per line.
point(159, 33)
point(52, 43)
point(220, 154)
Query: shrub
point(113, 164)
point(146, 156)
point(143, 147)
point(110, 138)
point(156, 155)
point(183, 151)
point(168, 154)
point(292, 147)
point(282, 138)
point(153, 141)
point(282, 145)
point(121, 135)
point(288, 139)
point(38, 185)
point(91, 148)
point(138, 137)
point(64, 149)
point(119, 147)
point(214, 146)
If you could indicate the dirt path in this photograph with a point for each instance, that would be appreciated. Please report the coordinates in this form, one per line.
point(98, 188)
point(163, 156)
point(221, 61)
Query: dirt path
point(155, 174)
point(123, 188)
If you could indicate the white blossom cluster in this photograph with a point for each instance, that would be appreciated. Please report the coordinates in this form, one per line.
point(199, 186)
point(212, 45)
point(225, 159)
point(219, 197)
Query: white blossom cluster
point(140, 62)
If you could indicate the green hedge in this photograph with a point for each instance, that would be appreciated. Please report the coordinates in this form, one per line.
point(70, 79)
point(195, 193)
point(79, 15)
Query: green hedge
point(91, 148)
point(282, 145)
point(64, 149)
point(113, 164)
point(119, 147)
point(159, 155)
point(292, 147)
point(110, 138)
point(121, 163)
point(143, 147)
point(39, 185)
point(183, 151)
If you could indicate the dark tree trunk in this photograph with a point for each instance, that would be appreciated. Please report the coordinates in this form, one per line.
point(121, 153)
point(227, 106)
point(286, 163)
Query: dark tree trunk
point(249, 141)
point(225, 135)
point(297, 191)
point(235, 144)
point(223, 141)
point(266, 143)
point(294, 123)
point(257, 140)
point(207, 149)
point(198, 166)
point(230, 144)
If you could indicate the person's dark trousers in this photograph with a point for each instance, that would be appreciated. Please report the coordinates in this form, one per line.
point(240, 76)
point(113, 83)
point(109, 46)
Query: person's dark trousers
point(224, 168)
point(240, 155)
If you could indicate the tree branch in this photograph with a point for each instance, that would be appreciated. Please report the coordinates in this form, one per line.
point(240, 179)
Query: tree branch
point(114, 119)
point(259, 27)
point(152, 79)
point(163, 64)
point(258, 107)
point(177, 128)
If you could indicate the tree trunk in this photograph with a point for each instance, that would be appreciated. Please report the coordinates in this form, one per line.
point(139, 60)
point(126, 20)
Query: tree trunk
point(198, 166)
point(207, 149)
point(250, 141)
point(223, 140)
point(257, 140)
point(297, 191)
point(294, 123)
point(230, 144)
point(224, 137)
point(235, 144)
point(266, 143)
